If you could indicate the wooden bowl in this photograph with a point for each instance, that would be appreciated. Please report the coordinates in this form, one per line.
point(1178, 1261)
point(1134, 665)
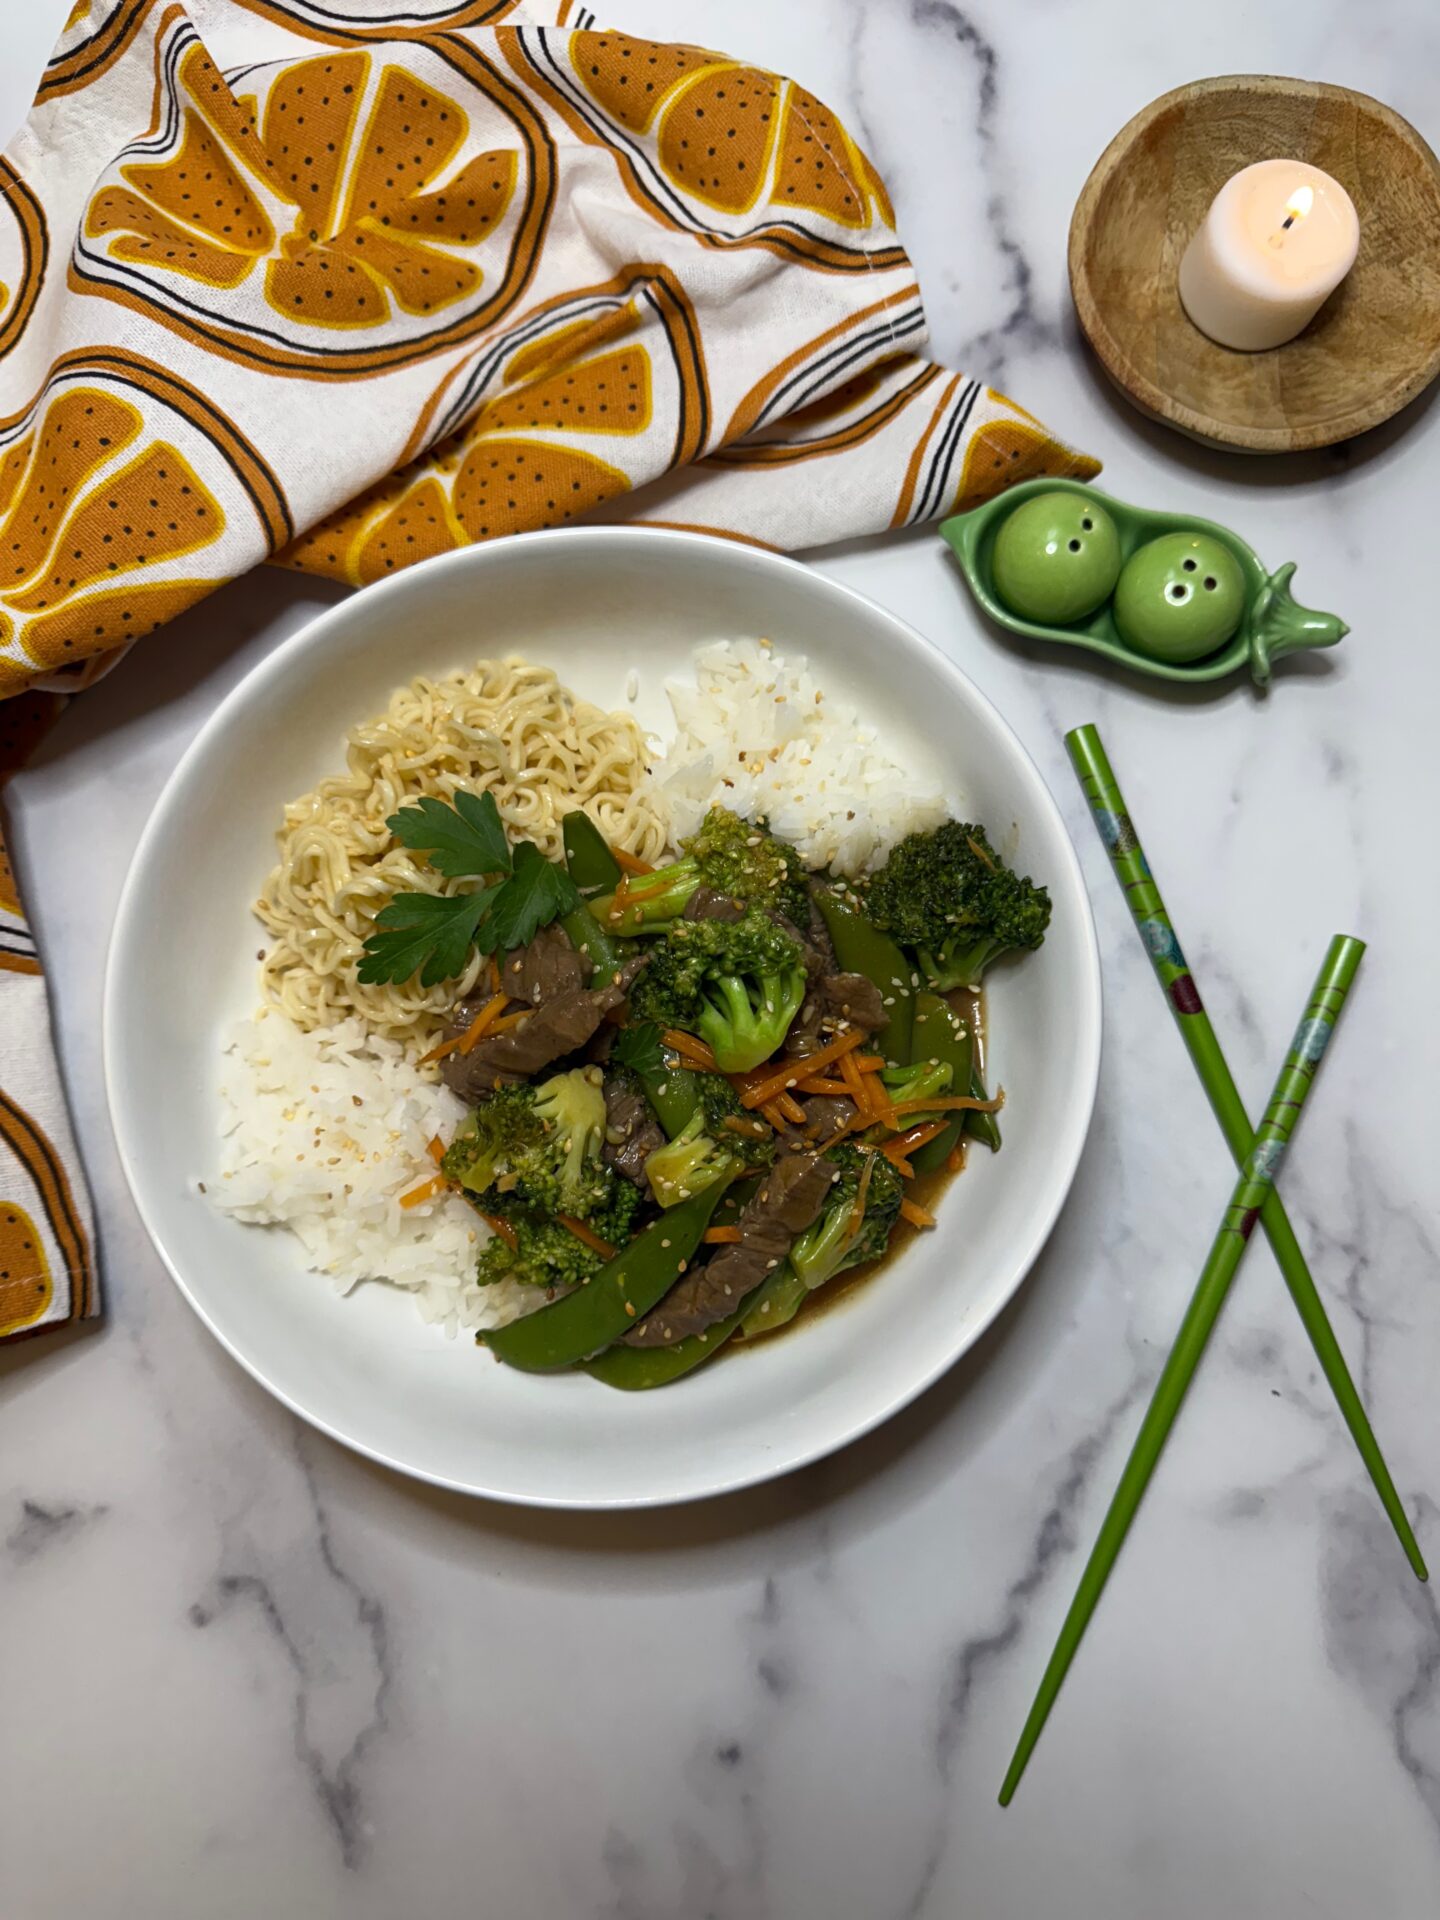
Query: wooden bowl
point(1372, 347)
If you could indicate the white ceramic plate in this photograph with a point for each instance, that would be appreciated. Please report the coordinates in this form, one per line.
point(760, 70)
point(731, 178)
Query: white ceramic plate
point(593, 603)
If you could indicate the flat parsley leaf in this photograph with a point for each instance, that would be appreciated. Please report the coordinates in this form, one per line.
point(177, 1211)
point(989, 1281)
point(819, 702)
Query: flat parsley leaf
point(639, 1048)
point(423, 930)
point(459, 840)
point(434, 934)
point(536, 893)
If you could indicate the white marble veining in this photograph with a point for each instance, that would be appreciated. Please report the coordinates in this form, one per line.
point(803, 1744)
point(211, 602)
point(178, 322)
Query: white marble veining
point(292, 1684)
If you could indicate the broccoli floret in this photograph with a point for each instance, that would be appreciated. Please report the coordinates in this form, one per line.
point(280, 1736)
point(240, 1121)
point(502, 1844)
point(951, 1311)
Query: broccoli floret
point(926, 1080)
point(737, 984)
point(734, 856)
point(498, 1134)
point(750, 1137)
point(950, 898)
point(546, 1253)
point(688, 1164)
point(571, 1107)
point(835, 1241)
point(541, 1145)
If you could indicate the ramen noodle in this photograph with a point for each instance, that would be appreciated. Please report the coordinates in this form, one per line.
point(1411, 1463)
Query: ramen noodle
point(504, 727)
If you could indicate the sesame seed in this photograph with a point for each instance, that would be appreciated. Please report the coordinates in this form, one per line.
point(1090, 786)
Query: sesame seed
point(664, 1243)
point(629, 1309)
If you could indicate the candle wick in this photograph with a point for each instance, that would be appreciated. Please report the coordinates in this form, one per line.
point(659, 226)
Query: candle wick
point(1288, 221)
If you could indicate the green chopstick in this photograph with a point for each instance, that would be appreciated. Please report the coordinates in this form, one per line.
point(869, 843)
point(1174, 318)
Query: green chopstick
point(1132, 870)
point(1255, 1182)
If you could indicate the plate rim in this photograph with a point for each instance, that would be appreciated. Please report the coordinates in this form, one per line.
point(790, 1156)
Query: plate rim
point(787, 1457)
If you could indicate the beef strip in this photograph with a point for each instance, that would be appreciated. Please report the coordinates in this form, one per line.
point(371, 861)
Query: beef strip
point(825, 1115)
point(854, 999)
point(791, 1196)
point(560, 1025)
point(632, 1132)
point(548, 965)
point(708, 903)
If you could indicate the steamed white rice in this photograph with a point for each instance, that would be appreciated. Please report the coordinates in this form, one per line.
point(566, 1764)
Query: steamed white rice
point(322, 1133)
point(759, 733)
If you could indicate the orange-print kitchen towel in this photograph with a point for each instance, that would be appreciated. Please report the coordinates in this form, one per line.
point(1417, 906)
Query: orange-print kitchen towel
point(345, 283)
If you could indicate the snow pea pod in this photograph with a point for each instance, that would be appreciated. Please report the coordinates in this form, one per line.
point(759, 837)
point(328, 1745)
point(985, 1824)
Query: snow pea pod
point(634, 1369)
point(983, 1127)
point(940, 1034)
point(595, 1315)
point(674, 1095)
point(587, 934)
point(593, 867)
point(862, 948)
point(774, 1303)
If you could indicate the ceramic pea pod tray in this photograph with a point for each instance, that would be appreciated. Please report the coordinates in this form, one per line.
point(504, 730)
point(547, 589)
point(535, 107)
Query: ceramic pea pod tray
point(1160, 593)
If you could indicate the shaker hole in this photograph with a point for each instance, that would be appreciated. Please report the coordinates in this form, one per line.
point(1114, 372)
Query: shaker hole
point(1210, 583)
point(1189, 566)
point(1177, 592)
point(1074, 546)
point(1087, 523)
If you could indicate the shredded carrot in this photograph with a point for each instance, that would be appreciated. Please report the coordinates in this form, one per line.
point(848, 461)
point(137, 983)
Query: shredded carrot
point(585, 1236)
point(862, 1190)
point(830, 1089)
point(900, 1149)
point(791, 1108)
point(949, 1103)
point(492, 973)
point(482, 1023)
point(869, 1062)
point(772, 1113)
point(463, 1042)
point(509, 1020)
point(436, 1149)
point(501, 1227)
point(426, 1190)
point(854, 1083)
point(918, 1216)
point(688, 1043)
point(955, 1159)
point(745, 1123)
point(722, 1236)
point(629, 862)
point(979, 852)
point(790, 1072)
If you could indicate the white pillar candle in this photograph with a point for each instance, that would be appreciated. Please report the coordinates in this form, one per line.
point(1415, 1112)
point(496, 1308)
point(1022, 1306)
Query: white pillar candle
point(1279, 238)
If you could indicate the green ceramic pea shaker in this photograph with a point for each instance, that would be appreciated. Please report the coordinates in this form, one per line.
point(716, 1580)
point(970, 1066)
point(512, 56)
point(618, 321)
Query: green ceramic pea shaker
point(1056, 558)
point(1179, 597)
point(1195, 634)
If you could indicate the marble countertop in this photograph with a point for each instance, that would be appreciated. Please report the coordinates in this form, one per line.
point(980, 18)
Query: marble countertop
point(294, 1684)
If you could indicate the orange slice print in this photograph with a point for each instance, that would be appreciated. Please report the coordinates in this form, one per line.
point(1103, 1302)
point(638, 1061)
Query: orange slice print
point(37, 1246)
point(1003, 452)
point(111, 484)
point(730, 138)
point(346, 192)
point(26, 1285)
point(75, 519)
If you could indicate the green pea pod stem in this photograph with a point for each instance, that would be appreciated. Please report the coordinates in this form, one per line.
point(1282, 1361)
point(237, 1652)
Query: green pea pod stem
point(593, 867)
point(940, 1034)
point(587, 934)
point(860, 947)
point(597, 1314)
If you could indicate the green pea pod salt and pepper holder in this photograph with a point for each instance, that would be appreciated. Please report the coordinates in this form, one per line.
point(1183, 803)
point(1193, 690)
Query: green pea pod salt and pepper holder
point(1272, 623)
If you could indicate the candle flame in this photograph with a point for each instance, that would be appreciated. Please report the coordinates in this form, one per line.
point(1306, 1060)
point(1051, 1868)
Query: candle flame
point(1299, 204)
